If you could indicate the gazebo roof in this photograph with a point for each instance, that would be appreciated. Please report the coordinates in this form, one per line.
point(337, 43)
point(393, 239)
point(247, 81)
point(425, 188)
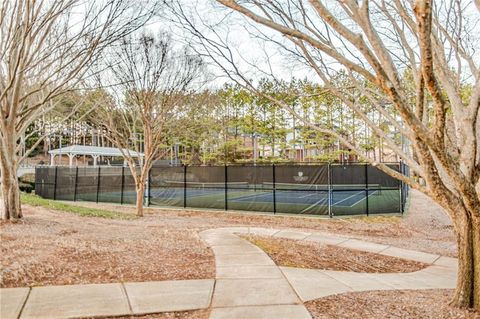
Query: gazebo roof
point(92, 151)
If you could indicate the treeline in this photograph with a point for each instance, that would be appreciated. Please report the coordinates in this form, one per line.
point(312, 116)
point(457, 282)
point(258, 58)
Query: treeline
point(233, 125)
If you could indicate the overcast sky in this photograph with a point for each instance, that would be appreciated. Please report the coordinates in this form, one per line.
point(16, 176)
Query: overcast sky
point(255, 56)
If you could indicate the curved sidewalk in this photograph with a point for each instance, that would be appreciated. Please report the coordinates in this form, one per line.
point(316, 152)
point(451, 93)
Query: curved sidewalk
point(248, 283)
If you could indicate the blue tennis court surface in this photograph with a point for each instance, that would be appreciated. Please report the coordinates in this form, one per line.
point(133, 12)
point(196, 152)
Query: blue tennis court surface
point(338, 198)
point(343, 198)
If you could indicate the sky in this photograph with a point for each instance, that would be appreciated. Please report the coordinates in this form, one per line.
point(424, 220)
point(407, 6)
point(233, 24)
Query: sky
point(254, 56)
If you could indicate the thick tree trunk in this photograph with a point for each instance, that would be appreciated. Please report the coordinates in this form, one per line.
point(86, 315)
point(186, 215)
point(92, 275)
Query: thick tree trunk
point(467, 293)
point(10, 193)
point(140, 194)
point(9, 181)
point(476, 265)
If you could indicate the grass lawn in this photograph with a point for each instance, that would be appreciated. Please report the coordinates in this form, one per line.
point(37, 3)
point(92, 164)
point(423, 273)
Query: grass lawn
point(34, 200)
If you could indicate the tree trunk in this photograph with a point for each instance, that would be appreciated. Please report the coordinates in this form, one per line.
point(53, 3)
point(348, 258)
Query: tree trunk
point(467, 293)
point(9, 180)
point(10, 193)
point(140, 194)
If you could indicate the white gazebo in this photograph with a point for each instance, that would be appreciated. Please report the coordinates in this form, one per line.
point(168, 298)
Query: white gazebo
point(93, 151)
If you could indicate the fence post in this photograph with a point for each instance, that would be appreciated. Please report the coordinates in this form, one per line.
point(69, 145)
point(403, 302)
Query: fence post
point(76, 185)
point(55, 184)
point(402, 201)
point(366, 189)
point(329, 177)
point(122, 186)
point(36, 180)
point(184, 186)
point(98, 183)
point(274, 190)
point(226, 186)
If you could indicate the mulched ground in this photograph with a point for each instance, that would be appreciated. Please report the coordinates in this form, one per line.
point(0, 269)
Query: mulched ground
point(294, 253)
point(426, 227)
point(405, 304)
point(50, 247)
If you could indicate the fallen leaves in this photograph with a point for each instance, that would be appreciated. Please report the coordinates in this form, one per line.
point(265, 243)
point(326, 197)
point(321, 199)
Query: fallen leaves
point(294, 253)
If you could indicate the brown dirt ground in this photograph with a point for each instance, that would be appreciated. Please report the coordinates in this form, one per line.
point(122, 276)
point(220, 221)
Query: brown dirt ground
point(292, 253)
point(53, 248)
point(49, 247)
point(418, 304)
point(426, 227)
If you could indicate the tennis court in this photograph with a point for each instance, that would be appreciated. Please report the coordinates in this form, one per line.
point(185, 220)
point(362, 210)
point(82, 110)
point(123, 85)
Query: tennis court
point(323, 189)
point(314, 199)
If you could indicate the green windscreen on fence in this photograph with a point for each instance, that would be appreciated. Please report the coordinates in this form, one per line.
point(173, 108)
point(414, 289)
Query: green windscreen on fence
point(167, 186)
point(319, 189)
point(87, 184)
point(45, 181)
point(65, 189)
point(110, 186)
point(205, 187)
point(349, 194)
point(129, 190)
point(388, 190)
point(302, 189)
point(250, 188)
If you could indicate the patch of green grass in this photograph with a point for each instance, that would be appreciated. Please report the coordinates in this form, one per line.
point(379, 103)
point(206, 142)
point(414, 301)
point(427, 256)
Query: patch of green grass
point(34, 200)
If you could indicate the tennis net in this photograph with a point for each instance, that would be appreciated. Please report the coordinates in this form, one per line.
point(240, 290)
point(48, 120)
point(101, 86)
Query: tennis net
point(204, 185)
point(320, 187)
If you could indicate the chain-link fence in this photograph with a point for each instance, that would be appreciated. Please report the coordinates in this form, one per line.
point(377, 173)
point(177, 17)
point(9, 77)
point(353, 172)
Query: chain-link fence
point(320, 189)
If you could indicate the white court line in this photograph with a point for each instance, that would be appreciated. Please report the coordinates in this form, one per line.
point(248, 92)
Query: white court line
point(262, 193)
point(347, 198)
point(308, 195)
point(362, 199)
point(314, 204)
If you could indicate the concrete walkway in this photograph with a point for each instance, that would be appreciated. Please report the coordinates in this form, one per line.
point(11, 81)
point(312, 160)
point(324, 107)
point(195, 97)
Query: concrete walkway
point(248, 284)
point(99, 300)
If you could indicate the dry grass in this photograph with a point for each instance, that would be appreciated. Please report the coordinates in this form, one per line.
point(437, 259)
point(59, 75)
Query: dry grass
point(411, 304)
point(293, 253)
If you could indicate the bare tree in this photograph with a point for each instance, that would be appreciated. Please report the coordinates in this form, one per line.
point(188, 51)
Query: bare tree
point(46, 49)
point(419, 58)
point(152, 79)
